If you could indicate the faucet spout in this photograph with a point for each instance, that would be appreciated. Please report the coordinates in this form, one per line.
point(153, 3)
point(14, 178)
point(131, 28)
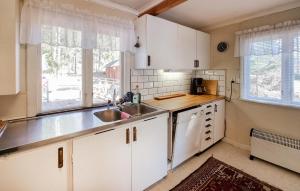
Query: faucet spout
point(114, 98)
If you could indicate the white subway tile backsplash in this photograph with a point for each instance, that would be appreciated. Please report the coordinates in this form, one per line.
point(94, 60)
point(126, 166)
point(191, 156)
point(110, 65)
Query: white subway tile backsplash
point(221, 83)
point(148, 72)
point(134, 79)
point(152, 91)
point(153, 83)
point(148, 85)
point(153, 78)
point(158, 84)
point(142, 78)
point(209, 72)
point(219, 72)
point(137, 72)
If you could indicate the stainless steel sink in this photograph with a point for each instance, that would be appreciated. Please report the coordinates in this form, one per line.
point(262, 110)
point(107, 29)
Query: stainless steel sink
point(137, 109)
point(109, 115)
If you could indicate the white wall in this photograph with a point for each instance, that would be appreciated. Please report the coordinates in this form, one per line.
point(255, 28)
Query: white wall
point(241, 116)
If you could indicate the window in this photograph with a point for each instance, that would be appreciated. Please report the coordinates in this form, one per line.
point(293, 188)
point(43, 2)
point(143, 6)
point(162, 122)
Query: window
point(106, 68)
point(65, 74)
point(61, 69)
point(271, 68)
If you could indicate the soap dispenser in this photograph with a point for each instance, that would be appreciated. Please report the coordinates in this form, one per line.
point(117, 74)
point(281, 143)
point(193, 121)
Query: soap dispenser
point(136, 96)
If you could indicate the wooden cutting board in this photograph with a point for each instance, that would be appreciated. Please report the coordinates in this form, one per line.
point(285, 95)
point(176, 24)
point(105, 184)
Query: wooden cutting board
point(211, 86)
point(169, 96)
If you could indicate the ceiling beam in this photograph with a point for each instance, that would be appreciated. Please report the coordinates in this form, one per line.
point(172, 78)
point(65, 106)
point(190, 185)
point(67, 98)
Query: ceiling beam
point(162, 7)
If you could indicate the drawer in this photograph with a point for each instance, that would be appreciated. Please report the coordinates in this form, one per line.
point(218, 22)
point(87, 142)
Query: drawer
point(208, 108)
point(206, 142)
point(208, 120)
point(207, 132)
point(208, 125)
point(208, 114)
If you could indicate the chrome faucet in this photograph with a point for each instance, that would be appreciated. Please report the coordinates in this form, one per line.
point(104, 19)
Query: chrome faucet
point(108, 104)
point(114, 98)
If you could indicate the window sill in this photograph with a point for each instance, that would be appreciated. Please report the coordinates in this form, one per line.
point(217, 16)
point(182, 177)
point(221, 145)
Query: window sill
point(270, 103)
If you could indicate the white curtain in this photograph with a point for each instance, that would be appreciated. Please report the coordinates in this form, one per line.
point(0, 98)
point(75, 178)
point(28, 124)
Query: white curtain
point(265, 40)
point(81, 28)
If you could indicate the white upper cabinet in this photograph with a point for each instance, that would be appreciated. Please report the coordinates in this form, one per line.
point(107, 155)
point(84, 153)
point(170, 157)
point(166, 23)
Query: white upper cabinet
point(9, 47)
point(203, 50)
point(157, 38)
point(168, 45)
point(186, 46)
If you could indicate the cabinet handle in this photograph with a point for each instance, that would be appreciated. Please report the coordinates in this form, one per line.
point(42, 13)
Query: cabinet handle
point(196, 63)
point(134, 133)
point(60, 157)
point(127, 136)
point(208, 125)
point(208, 119)
point(208, 113)
point(149, 60)
point(207, 132)
point(207, 139)
point(216, 108)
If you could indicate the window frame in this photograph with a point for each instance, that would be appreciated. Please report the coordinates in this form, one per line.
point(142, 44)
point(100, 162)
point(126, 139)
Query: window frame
point(287, 82)
point(34, 73)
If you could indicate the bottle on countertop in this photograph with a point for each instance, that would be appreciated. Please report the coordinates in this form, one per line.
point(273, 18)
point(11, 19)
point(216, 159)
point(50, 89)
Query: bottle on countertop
point(136, 96)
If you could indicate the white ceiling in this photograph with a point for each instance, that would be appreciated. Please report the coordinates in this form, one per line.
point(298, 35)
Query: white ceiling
point(135, 4)
point(212, 13)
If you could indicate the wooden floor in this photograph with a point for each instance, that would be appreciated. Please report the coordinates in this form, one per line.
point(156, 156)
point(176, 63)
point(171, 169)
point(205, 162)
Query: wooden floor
point(274, 175)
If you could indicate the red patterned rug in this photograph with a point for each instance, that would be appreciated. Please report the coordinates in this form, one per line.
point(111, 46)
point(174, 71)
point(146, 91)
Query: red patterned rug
point(214, 175)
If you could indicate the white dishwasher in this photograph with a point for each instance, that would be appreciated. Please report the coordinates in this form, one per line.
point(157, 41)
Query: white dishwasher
point(187, 138)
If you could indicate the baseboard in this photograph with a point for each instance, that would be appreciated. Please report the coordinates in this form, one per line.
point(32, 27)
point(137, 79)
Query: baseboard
point(236, 144)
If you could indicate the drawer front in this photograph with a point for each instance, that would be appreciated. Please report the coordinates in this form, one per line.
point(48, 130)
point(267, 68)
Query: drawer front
point(209, 108)
point(207, 141)
point(208, 120)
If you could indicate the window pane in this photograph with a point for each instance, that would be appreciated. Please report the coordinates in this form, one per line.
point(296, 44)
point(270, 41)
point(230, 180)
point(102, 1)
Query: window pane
point(265, 73)
point(106, 69)
point(296, 61)
point(61, 68)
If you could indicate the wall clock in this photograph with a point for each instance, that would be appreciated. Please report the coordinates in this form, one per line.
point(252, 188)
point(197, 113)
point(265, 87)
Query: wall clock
point(222, 46)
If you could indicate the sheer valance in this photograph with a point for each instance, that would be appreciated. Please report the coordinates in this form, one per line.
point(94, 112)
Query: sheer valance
point(268, 40)
point(67, 25)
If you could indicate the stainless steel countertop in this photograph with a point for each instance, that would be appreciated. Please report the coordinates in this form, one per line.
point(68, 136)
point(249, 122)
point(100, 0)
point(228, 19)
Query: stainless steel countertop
point(28, 134)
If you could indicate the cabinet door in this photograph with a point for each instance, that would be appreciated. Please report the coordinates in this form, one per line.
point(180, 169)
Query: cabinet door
point(36, 169)
point(219, 126)
point(187, 46)
point(203, 50)
point(149, 152)
point(161, 43)
point(9, 47)
point(102, 161)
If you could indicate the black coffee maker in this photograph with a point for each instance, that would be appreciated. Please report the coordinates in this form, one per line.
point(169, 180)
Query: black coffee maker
point(197, 87)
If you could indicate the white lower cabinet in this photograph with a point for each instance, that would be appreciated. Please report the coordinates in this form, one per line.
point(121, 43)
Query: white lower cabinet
point(102, 162)
point(149, 152)
point(131, 157)
point(37, 169)
point(219, 120)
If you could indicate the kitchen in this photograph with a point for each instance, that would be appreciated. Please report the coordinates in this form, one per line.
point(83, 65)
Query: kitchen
point(104, 95)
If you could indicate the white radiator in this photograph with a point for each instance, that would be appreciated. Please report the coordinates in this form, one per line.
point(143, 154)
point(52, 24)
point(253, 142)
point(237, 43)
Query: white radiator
point(277, 149)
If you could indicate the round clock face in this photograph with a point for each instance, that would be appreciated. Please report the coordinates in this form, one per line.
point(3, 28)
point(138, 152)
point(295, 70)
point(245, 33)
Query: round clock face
point(222, 46)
